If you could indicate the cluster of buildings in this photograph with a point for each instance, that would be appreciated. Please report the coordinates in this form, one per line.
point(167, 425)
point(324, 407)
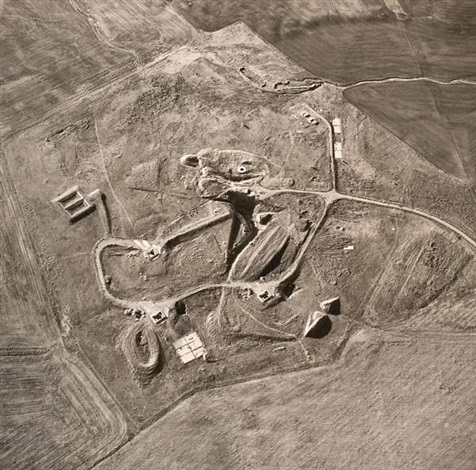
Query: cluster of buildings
point(337, 127)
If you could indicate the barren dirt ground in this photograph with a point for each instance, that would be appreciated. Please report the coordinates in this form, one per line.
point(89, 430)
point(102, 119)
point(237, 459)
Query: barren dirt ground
point(54, 412)
point(240, 176)
point(391, 403)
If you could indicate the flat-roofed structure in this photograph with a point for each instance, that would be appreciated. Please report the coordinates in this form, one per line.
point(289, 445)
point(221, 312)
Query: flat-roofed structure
point(159, 317)
point(189, 347)
point(337, 127)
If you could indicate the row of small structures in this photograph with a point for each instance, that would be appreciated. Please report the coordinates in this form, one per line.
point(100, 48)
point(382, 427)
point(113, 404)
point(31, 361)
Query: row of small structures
point(190, 347)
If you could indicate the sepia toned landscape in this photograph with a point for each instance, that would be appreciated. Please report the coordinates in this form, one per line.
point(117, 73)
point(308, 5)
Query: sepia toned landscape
point(238, 234)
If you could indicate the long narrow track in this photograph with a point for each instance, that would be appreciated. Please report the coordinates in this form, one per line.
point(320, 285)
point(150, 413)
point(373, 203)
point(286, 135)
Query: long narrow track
point(333, 195)
point(329, 198)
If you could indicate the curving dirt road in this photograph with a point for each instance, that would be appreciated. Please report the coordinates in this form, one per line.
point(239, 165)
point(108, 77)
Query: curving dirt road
point(456, 81)
point(329, 198)
point(418, 212)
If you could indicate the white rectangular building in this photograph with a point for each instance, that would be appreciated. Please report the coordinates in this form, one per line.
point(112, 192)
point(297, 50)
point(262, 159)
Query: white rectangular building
point(189, 347)
point(337, 127)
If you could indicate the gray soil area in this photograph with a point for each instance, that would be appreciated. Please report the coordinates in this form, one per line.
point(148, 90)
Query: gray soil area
point(238, 235)
point(395, 403)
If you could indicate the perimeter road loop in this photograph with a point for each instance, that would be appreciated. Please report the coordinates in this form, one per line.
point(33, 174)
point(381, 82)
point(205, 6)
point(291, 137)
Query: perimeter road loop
point(146, 305)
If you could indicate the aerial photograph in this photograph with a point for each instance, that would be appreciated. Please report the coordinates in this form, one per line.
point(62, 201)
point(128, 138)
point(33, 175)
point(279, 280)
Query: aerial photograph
point(238, 234)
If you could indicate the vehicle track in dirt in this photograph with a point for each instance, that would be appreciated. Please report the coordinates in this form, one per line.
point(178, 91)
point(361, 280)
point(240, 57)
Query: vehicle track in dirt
point(329, 197)
point(334, 195)
point(457, 81)
point(98, 91)
point(76, 5)
point(12, 216)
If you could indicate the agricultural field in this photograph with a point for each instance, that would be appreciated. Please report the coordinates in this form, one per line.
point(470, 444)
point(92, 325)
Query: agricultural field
point(233, 237)
point(348, 41)
point(457, 13)
point(22, 292)
point(380, 164)
point(54, 412)
point(53, 52)
point(390, 403)
point(438, 121)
